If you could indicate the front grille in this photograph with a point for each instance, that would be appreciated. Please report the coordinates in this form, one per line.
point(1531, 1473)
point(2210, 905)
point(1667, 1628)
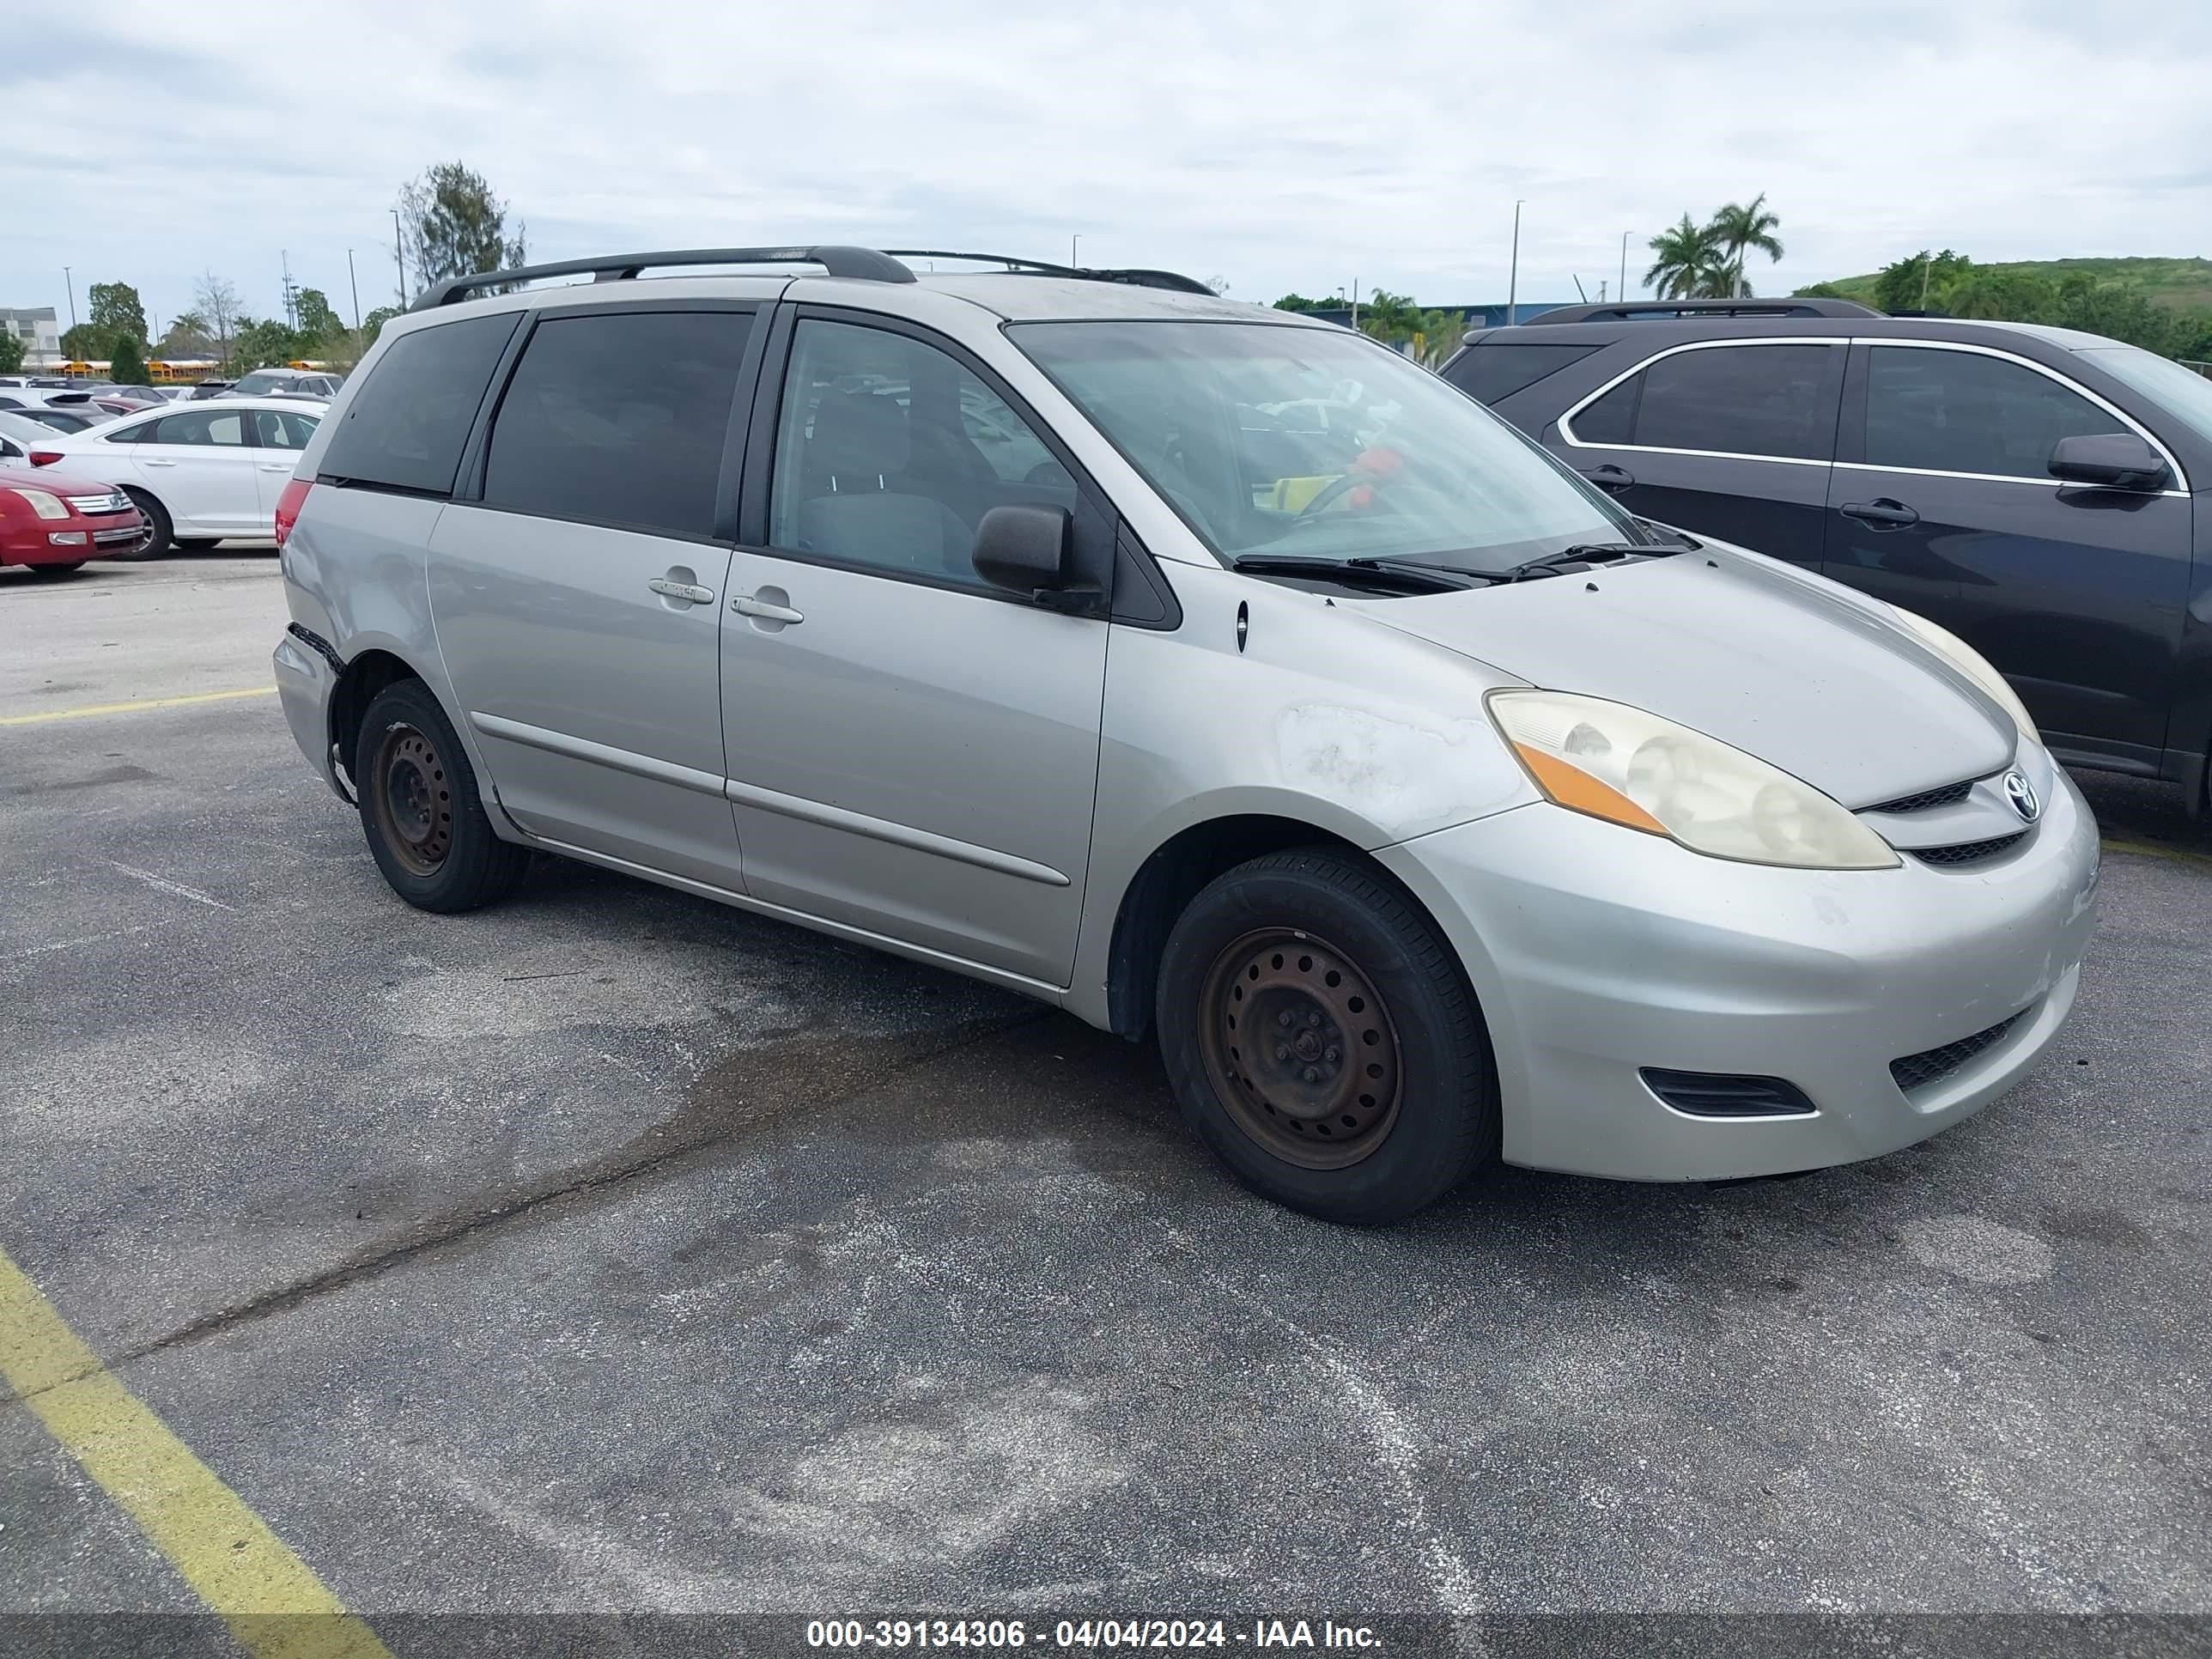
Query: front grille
point(1726, 1094)
point(1967, 851)
point(1918, 1071)
point(1949, 795)
point(93, 506)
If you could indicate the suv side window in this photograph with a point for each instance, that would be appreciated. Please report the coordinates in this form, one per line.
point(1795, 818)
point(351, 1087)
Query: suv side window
point(1765, 400)
point(620, 419)
point(888, 453)
point(405, 429)
point(1960, 411)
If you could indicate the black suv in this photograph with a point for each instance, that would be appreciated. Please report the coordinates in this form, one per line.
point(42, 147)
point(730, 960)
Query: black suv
point(2027, 488)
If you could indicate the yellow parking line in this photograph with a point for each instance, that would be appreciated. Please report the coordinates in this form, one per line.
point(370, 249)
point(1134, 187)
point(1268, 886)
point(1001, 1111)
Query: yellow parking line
point(275, 1607)
point(2150, 850)
point(88, 712)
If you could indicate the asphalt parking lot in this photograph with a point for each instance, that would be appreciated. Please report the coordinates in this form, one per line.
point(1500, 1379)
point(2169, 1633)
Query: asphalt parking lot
point(611, 1250)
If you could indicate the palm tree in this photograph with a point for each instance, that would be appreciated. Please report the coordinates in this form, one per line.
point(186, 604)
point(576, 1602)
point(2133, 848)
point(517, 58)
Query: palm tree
point(1740, 226)
point(1687, 262)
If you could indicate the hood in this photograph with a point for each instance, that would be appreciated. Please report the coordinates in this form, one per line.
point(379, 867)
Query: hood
point(54, 480)
point(1805, 674)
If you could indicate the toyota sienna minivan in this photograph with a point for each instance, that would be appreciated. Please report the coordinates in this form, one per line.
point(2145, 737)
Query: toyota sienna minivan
point(1425, 805)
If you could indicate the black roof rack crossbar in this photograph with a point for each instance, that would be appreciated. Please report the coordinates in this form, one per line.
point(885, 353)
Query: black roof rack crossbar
point(1135, 277)
point(864, 263)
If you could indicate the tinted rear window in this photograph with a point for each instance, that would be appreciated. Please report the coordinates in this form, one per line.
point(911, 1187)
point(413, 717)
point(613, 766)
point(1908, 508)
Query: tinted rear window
point(1487, 373)
point(405, 428)
point(620, 419)
point(1744, 400)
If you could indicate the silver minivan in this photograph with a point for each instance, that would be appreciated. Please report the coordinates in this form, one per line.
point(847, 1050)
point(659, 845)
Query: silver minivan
point(1203, 669)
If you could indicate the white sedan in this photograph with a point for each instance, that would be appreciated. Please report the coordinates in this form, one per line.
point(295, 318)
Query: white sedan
point(199, 473)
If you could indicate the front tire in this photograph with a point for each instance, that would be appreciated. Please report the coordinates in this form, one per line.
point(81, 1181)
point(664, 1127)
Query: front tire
point(197, 544)
point(1323, 1040)
point(159, 529)
point(425, 823)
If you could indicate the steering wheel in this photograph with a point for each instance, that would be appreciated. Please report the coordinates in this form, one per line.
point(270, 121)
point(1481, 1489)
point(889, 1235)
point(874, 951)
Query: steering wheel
point(1370, 468)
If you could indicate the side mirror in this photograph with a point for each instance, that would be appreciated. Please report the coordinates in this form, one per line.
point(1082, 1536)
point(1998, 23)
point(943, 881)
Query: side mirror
point(1030, 549)
point(2120, 460)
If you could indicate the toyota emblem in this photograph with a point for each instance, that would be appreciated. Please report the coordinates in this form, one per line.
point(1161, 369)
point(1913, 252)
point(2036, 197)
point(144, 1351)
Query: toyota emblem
point(2021, 794)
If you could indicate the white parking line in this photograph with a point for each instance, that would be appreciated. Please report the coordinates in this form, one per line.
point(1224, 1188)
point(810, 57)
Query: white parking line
point(167, 886)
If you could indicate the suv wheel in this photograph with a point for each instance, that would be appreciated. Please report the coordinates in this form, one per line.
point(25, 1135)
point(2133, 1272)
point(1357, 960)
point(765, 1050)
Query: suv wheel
point(419, 807)
point(1322, 1040)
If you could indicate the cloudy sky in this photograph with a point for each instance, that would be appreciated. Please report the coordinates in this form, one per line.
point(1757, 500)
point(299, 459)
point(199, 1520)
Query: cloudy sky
point(1298, 144)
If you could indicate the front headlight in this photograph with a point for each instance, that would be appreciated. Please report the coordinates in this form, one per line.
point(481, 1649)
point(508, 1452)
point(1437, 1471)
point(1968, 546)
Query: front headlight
point(1971, 663)
point(1629, 768)
point(44, 505)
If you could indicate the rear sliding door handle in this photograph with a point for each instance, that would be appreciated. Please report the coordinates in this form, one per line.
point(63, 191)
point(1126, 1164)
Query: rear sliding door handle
point(765, 610)
point(691, 593)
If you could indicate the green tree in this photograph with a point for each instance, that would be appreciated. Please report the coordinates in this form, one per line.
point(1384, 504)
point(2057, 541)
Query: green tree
point(263, 344)
point(11, 351)
point(454, 225)
point(127, 362)
point(81, 341)
point(188, 336)
point(219, 307)
point(1738, 228)
point(1687, 262)
point(1299, 302)
point(317, 321)
point(1903, 286)
point(116, 312)
point(373, 325)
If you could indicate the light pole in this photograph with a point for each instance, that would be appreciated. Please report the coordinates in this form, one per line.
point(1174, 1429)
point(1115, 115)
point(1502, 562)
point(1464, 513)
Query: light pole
point(1513, 272)
point(69, 283)
point(1624, 265)
point(399, 254)
point(354, 283)
point(1073, 263)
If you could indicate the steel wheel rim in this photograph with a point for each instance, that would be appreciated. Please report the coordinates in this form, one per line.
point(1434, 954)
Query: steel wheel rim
point(1300, 1049)
point(413, 797)
point(145, 545)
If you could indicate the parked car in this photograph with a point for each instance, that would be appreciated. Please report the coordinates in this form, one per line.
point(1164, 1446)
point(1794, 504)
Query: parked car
point(54, 522)
point(2029, 488)
point(1451, 812)
point(292, 382)
point(145, 396)
point(63, 421)
point(199, 473)
point(206, 389)
point(19, 436)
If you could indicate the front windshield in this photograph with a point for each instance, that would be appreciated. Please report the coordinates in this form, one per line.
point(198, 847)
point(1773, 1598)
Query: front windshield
point(2182, 393)
point(1317, 443)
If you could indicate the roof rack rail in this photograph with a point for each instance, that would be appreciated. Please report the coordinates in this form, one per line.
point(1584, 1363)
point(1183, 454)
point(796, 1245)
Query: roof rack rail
point(863, 263)
point(1135, 277)
point(1642, 310)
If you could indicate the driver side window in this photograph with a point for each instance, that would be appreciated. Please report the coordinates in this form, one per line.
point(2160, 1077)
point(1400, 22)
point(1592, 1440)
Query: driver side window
point(889, 452)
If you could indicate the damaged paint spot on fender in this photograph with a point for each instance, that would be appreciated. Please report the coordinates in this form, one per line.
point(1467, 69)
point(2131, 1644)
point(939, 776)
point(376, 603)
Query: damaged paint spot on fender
point(1406, 774)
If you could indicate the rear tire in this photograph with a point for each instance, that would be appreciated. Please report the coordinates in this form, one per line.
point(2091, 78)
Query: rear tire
point(425, 823)
point(160, 529)
point(1323, 1040)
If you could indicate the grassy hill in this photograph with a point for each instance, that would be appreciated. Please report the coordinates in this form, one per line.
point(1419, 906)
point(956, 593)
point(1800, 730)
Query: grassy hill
point(2178, 284)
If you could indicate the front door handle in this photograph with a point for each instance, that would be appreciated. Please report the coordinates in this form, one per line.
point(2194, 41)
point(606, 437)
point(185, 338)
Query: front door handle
point(691, 593)
point(275, 466)
point(746, 604)
point(1883, 513)
point(1610, 477)
point(154, 461)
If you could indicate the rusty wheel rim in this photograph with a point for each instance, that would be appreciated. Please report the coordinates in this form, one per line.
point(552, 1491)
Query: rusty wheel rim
point(1300, 1049)
point(414, 801)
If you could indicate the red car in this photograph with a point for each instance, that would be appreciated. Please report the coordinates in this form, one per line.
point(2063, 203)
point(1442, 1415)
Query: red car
point(53, 522)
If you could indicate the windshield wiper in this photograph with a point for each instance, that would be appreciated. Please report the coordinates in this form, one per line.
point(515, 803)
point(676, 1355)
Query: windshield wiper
point(1583, 557)
point(1431, 578)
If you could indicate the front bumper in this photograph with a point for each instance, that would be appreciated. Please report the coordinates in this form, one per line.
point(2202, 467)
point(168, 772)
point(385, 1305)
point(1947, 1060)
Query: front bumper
point(1596, 951)
point(305, 682)
point(71, 540)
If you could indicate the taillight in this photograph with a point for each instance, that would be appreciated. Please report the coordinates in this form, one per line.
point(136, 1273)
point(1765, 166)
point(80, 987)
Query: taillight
point(45, 457)
point(288, 507)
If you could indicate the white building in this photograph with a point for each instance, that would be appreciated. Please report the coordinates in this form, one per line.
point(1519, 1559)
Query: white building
point(39, 330)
